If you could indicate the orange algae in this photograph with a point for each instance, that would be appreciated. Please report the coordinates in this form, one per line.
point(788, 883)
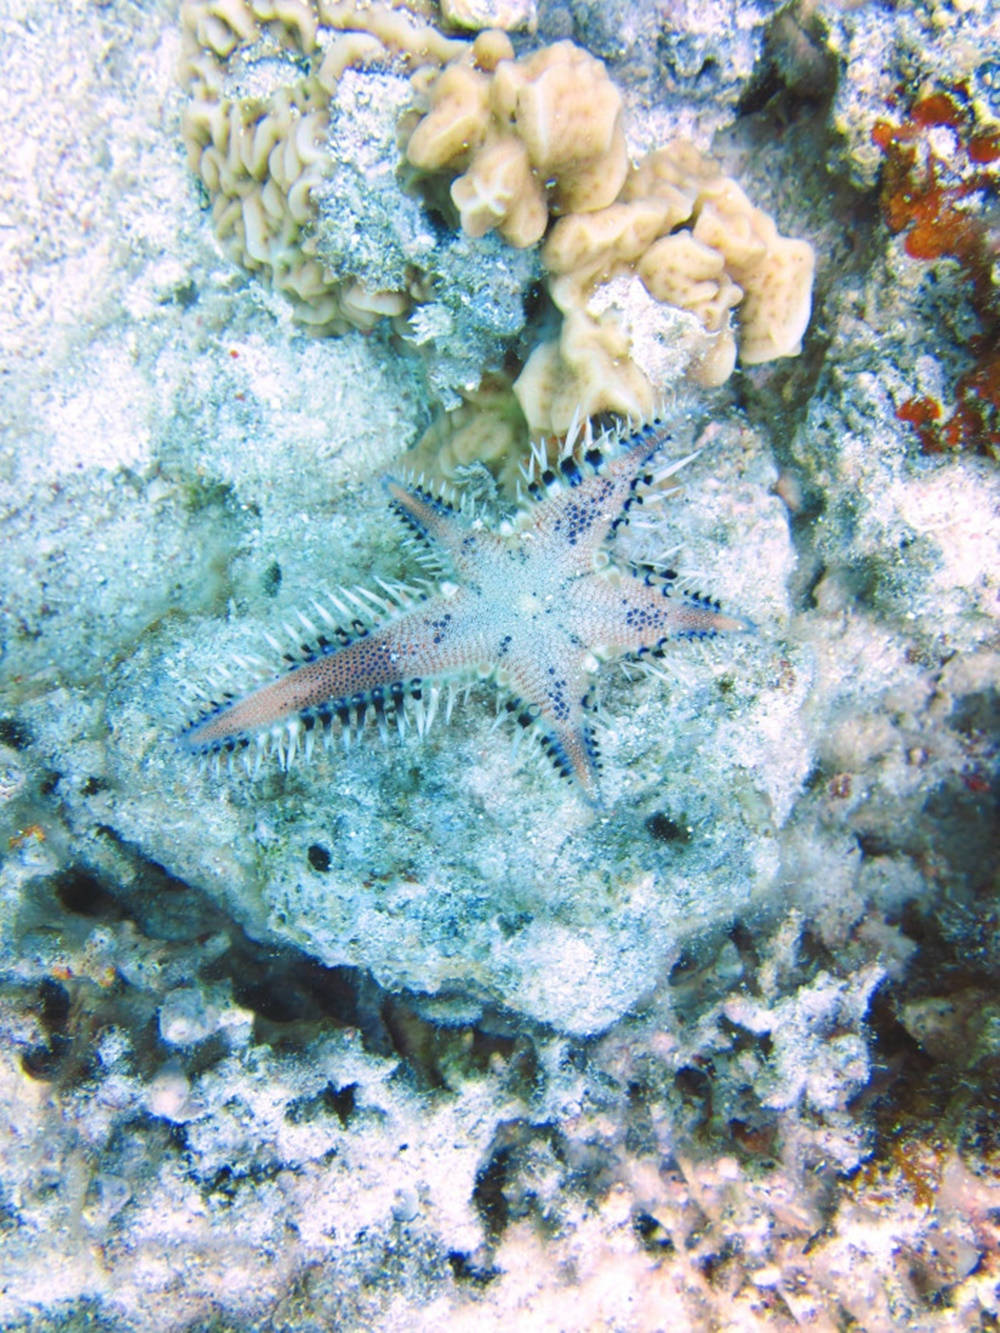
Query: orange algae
point(936, 109)
point(984, 147)
point(937, 191)
point(923, 415)
point(974, 424)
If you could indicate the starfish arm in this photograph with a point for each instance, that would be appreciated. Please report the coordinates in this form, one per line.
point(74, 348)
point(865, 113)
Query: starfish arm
point(549, 687)
point(628, 613)
point(572, 748)
point(433, 520)
point(380, 668)
point(589, 496)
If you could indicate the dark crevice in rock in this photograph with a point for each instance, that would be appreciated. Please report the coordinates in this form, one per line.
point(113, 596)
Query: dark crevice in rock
point(294, 997)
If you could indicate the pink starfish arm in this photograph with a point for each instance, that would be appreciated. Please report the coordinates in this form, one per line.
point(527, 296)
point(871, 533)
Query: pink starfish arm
point(587, 498)
point(433, 639)
point(631, 612)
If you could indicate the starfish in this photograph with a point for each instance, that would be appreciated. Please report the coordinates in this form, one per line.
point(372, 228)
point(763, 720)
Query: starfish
point(534, 604)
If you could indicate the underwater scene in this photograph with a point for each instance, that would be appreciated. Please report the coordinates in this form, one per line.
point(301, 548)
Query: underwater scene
point(499, 666)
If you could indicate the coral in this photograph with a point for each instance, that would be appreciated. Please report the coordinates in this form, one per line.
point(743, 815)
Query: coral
point(292, 130)
point(939, 183)
point(728, 257)
point(264, 82)
point(588, 370)
point(487, 429)
point(522, 138)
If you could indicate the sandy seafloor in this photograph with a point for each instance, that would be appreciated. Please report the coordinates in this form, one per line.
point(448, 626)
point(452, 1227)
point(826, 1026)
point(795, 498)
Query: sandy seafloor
point(410, 1037)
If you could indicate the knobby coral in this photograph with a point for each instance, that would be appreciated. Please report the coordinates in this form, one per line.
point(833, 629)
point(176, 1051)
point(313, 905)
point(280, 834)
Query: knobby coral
point(525, 137)
point(692, 240)
point(525, 141)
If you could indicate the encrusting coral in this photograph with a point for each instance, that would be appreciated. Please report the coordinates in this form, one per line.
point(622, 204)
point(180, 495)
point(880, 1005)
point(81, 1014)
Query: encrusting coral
point(940, 159)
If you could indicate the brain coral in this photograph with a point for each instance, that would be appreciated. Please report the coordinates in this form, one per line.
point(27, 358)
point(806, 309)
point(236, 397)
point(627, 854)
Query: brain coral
point(263, 77)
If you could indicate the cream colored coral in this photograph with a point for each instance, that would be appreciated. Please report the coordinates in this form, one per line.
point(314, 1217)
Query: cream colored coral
point(457, 122)
point(770, 276)
point(682, 270)
point(346, 50)
point(487, 428)
point(523, 137)
point(777, 303)
point(586, 249)
point(262, 158)
point(587, 371)
point(665, 342)
point(498, 190)
point(678, 167)
point(695, 241)
point(568, 114)
point(533, 147)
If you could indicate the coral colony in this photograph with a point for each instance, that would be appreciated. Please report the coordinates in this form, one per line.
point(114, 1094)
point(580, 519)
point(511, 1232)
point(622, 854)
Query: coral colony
point(532, 147)
point(534, 605)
